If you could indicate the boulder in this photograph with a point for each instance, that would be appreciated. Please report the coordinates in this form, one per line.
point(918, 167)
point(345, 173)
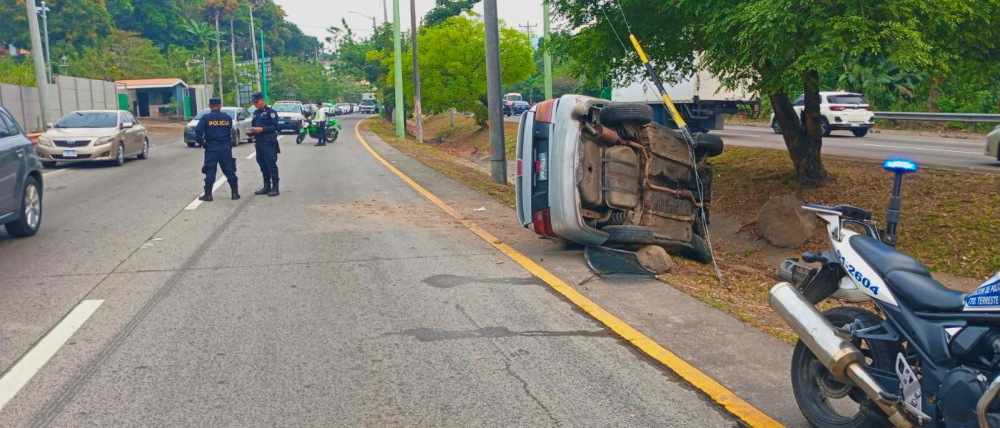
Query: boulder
point(655, 259)
point(784, 223)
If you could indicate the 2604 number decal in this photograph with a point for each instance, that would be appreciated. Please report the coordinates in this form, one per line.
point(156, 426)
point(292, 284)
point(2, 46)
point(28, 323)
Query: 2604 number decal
point(858, 276)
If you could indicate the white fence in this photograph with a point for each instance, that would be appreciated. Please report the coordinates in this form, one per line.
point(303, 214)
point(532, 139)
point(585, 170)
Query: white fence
point(68, 94)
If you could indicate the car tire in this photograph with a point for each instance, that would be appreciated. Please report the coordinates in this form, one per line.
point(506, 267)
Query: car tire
point(144, 154)
point(236, 139)
point(707, 145)
point(775, 127)
point(699, 250)
point(49, 164)
point(31, 211)
point(120, 158)
point(629, 235)
point(860, 132)
point(191, 145)
point(824, 125)
point(621, 113)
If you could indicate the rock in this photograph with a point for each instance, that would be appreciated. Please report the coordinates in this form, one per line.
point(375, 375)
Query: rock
point(784, 223)
point(655, 259)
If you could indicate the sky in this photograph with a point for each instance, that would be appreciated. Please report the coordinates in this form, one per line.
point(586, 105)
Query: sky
point(313, 17)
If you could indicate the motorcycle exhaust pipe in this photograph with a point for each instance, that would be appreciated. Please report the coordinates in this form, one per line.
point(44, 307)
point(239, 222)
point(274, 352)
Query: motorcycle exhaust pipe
point(838, 355)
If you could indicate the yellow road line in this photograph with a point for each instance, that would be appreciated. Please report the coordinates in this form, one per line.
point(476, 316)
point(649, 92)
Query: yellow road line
point(718, 393)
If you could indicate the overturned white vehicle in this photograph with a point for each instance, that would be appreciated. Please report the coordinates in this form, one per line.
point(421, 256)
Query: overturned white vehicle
point(595, 172)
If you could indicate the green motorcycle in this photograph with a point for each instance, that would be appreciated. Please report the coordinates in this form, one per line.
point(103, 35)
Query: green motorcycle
point(332, 131)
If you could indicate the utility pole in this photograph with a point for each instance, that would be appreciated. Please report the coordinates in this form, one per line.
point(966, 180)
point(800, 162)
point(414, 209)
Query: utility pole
point(253, 39)
point(263, 66)
point(527, 28)
point(36, 56)
point(204, 69)
point(416, 73)
point(498, 159)
point(547, 57)
point(218, 52)
point(385, 12)
point(398, 64)
point(232, 50)
point(48, 51)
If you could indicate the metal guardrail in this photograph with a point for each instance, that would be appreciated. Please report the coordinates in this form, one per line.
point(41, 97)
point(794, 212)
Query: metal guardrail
point(973, 118)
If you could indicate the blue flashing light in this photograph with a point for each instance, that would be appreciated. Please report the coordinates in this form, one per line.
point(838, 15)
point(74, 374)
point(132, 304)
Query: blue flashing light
point(900, 165)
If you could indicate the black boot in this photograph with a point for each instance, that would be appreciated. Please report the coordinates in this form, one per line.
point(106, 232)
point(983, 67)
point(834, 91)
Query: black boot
point(236, 193)
point(274, 189)
point(264, 190)
point(207, 197)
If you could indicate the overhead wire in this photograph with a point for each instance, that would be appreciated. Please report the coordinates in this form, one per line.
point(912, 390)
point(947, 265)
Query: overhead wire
point(694, 158)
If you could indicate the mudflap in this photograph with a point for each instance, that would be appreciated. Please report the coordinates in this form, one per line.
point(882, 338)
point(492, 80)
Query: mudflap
point(610, 261)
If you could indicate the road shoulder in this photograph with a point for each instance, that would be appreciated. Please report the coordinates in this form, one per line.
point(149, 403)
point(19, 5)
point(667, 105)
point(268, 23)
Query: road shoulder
point(748, 362)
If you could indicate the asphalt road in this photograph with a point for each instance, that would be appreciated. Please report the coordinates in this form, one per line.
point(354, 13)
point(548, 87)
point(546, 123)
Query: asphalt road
point(347, 301)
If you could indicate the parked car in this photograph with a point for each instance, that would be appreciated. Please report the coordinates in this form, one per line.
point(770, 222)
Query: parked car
point(519, 107)
point(841, 111)
point(508, 103)
point(341, 108)
point(354, 108)
point(290, 115)
point(241, 125)
point(94, 136)
point(20, 180)
point(992, 143)
point(599, 173)
point(368, 106)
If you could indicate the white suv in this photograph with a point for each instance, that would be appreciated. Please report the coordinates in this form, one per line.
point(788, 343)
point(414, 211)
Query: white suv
point(845, 111)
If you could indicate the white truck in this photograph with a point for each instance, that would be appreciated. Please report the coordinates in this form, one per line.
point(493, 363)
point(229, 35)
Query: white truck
point(701, 99)
point(368, 104)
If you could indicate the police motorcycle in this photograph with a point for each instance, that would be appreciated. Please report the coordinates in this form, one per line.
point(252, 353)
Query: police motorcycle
point(931, 359)
point(310, 129)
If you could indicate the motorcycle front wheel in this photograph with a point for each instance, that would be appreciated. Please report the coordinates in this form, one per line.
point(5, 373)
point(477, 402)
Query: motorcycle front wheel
point(827, 403)
point(300, 138)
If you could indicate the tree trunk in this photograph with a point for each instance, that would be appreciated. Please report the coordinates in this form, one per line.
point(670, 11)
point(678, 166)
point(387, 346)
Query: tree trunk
point(932, 105)
point(803, 135)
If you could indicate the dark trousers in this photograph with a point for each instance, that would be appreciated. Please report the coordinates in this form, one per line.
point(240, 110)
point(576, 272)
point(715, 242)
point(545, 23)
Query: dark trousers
point(219, 155)
point(267, 158)
point(321, 130)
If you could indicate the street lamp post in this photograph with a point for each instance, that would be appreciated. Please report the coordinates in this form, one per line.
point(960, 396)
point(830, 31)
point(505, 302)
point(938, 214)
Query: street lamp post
point(374, 26)
point(48, 52)
point(201, 61)
point(253, 39)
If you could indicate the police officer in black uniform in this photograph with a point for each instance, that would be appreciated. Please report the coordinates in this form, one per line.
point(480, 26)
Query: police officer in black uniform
point(215, 133)
point(265, 130)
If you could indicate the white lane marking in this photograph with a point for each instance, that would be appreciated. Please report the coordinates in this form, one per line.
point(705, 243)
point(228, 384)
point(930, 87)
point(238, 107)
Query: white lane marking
point(53, 172)
point(252, 155)
point(32, 362)
point(197, 202)
point(922, 149)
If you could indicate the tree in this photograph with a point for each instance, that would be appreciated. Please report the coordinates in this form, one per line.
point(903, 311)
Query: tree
point(201, 33)
point(72, 25)
point(125, 56)
point(453, 65)
point(778, 47)
point(445, 9)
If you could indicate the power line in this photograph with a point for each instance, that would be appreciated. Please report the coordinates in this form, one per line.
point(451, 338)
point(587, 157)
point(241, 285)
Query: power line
point(528, 28)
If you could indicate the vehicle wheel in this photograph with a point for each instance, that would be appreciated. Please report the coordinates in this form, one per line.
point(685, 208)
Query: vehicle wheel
point(300, 138)
point(825, 126)
point(236, 139)
point(627, 235)
point(145, 149)
point(619, 113)
point(775, 127)
point(860, 132)
point(48, 164)
point(823, 400)
point(191, 144)
point(708, 145)
point(120, 159)
point(31, 211)
point(699, 250)
point(333, 137)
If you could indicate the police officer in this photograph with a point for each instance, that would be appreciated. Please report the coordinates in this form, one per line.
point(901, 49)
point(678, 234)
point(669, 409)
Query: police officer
point(215, 133)
point(320, 120)
point(265, 130)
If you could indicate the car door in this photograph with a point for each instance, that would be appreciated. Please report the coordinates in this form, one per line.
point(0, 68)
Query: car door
point(127, 136)
point(244, 124)
point(140, 131)
point(10, 164)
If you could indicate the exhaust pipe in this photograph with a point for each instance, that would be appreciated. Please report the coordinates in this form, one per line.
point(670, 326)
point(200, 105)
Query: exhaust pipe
point(838, 355)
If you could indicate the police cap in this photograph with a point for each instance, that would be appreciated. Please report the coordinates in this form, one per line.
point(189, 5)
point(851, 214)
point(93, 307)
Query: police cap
point(256, 96)
point(215, 101)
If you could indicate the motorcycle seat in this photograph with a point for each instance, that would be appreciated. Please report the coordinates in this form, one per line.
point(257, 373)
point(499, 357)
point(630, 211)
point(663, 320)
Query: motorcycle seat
point(923, 293)
point(885, 259)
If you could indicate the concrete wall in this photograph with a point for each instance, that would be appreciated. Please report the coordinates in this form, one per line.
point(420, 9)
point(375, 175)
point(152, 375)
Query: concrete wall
point(67, 95)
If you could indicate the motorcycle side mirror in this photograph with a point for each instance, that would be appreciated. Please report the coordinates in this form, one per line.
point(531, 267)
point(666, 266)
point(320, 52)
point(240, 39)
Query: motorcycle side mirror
point(899, 167)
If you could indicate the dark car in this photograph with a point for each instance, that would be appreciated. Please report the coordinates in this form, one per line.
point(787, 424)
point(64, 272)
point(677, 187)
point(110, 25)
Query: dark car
point(20, 180)
point(519, 107)
point(507, 108)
